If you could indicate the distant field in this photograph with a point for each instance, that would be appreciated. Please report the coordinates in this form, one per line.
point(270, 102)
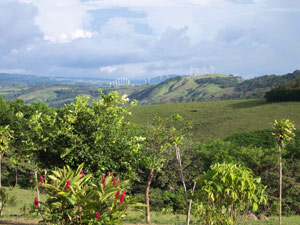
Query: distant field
point(219, 119)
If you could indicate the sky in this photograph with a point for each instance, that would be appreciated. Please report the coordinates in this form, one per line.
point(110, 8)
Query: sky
point(148, 38)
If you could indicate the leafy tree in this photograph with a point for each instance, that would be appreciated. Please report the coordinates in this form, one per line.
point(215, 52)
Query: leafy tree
point(38, 137)
point(157, 147)
point(5, 137)
point(225, 192)
point(96, 134)
point(283, 130)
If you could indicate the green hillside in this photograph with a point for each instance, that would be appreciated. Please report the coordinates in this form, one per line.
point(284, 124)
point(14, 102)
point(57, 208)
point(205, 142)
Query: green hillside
point(188, 88)
point(219, 119)
point(173, 90)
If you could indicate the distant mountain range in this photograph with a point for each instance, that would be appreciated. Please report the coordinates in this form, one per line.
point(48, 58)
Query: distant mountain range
point(158, 90)
point(33, 79)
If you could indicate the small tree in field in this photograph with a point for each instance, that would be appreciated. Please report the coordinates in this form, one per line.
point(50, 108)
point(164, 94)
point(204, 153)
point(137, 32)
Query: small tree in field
point(226, 193)
point(283, 131)
point(157, 149)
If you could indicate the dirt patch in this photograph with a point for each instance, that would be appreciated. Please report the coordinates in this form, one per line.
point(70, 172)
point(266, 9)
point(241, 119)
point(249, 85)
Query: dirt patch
point(19, 221)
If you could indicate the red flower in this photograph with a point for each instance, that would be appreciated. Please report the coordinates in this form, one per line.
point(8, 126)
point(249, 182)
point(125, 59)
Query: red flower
point(36, 202)
point(67, 185)
point(122, 197)
point(103, 180)
point(41, 179)
point(117, 194)
point(97, 215)
point(115, 181)
point(81, 173)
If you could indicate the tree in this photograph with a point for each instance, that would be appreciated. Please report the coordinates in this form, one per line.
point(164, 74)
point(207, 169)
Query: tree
point(188, 196)
point(5, 137)
point(156, 149)
point(283, 131)
point(225, 192)
point(39, 137)
point(96, 134)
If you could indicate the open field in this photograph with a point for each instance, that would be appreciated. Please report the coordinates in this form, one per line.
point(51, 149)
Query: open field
point(219, 119)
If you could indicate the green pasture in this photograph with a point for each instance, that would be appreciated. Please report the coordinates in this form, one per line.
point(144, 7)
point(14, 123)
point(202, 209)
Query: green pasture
point(219, 119)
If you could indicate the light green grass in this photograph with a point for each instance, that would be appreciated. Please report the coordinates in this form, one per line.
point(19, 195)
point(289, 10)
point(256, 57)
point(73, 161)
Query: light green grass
point(24, 198)
point(44, 94)
point(219, 119)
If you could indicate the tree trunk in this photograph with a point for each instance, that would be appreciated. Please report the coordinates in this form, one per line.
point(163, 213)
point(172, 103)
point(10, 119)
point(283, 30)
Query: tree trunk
point(189, 202)
point(147, 196)
point(16, 177)
point(280, 184)
point(36, 179)
point(188, 211)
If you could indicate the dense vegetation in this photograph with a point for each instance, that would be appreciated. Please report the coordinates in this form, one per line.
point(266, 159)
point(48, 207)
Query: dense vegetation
point(161, 157)
point(288, 92)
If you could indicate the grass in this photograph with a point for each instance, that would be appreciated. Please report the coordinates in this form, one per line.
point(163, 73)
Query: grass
point(24, 199)
point(13, 214)
point(219, 119)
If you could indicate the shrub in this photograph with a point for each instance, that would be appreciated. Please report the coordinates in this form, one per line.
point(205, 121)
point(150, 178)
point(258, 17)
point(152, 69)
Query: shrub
point(226, 192)
point(74, 199)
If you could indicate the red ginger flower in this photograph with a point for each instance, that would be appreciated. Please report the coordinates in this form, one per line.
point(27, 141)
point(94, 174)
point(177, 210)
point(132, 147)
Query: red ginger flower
point(67, 185)
point(117, 194)
point(41, 180)
point(122, 197)
point(97, 215)
point(36, 202)
point(103, 180)
point(115, 181)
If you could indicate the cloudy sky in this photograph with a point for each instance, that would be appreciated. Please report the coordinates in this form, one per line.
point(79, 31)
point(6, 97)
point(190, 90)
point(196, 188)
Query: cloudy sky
point(146, 38)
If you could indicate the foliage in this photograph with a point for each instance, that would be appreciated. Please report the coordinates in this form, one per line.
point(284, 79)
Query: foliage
point(74, 199)
point(226, 192)
point(258, 138)
point(97, 135)
point(5, 137)
point(284, 131)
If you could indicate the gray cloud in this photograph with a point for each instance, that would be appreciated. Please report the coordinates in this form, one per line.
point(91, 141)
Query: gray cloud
point(252, 38)
point(17, 26)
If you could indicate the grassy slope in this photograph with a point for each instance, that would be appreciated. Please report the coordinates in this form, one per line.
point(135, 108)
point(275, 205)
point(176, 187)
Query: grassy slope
point(185, 87)
point(218, 119)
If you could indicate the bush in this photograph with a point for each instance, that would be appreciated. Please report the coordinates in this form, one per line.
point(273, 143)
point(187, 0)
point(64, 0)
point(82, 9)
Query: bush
point(226, 192)
point(74, 199)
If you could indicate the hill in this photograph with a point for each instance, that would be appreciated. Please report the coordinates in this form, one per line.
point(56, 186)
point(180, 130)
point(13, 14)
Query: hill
point(211, 87)
point(188, 88)
point(219, 119)
point(257, 87)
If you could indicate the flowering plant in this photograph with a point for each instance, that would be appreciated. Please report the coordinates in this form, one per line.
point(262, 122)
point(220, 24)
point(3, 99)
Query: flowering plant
point(74, 199)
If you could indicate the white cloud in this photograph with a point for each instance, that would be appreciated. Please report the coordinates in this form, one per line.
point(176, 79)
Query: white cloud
point(61, 21)
point(56, 37)
point(108, 69)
